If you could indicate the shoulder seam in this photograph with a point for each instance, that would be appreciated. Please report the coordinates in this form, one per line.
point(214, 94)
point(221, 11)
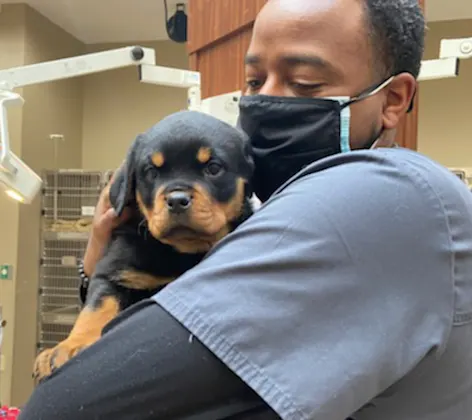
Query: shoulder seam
point(425, 184)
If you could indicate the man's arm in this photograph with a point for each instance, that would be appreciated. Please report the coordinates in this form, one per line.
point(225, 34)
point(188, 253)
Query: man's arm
point(336, 288)
point(146, 367)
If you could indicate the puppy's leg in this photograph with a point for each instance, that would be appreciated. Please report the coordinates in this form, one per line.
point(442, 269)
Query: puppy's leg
point(102, 305)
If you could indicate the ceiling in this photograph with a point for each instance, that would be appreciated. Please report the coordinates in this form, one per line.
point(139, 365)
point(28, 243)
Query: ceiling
point(100, 21)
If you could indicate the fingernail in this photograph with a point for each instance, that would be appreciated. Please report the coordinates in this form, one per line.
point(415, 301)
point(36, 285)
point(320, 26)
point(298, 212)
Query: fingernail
point(111, 212)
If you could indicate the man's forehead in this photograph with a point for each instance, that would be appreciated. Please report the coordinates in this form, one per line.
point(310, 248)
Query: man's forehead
point(331, 30)
point(339, 20)
point(300, 17)
point(300, 6)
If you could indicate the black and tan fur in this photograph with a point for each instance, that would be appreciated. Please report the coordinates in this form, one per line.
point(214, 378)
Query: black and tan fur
point(186, 181)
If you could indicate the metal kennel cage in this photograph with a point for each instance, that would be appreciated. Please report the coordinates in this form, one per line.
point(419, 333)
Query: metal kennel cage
point(68, 204)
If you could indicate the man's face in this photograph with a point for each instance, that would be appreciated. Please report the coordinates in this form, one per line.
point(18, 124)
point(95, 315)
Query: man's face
point(321, 48)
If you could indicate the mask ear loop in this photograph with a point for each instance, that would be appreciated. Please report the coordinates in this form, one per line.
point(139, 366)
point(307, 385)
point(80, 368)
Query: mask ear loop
point(376, 141)
point(346, 115)
point(368, 93)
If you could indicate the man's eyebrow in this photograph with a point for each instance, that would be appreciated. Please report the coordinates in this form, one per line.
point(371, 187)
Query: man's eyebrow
point(297, 60)
point(309, 60)
point(252, 59)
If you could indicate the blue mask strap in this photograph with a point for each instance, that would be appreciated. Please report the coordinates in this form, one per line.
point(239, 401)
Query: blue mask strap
point(346, 112)
point(345, 128)
point(345, 121)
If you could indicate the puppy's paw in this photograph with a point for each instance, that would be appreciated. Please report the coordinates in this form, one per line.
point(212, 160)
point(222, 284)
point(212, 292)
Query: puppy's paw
point(51, 359)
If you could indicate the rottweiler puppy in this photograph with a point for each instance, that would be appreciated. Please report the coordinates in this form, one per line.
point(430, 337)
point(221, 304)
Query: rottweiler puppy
point(187, 183)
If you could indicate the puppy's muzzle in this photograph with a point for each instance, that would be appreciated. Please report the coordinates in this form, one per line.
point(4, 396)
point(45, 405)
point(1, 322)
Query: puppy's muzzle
point(178, 202)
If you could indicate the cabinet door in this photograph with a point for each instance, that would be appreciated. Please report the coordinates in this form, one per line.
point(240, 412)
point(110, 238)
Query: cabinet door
point(219, 35)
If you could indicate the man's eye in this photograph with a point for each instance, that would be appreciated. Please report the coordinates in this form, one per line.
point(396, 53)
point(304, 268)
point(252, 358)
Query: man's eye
point(307, 87)
point(253, 84)
point(214, 169)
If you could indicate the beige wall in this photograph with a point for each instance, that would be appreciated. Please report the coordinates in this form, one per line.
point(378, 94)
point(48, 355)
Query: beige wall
point(55, 107)
point(26, 37)
point(12, 53)
point(117, 106)
point(445, 132)
point(49, 108)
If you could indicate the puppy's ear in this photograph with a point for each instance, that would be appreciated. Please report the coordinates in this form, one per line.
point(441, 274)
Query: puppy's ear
point(123, 187)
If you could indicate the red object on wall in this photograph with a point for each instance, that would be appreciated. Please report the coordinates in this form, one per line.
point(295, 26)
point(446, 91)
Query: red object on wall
point(9, 413)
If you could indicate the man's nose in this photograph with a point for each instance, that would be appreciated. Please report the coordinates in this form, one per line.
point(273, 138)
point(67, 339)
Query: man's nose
point(273, 87)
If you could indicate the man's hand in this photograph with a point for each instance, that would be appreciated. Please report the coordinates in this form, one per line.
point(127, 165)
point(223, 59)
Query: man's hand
point(104, 221)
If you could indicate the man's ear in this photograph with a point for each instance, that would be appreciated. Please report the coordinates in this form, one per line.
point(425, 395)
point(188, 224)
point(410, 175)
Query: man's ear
point(123, 187)
point(400, 94)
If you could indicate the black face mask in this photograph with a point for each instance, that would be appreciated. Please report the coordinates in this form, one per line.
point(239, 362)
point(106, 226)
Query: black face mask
point(287, 134)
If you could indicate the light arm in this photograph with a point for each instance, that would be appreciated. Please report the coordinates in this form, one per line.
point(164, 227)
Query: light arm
point(82, 65)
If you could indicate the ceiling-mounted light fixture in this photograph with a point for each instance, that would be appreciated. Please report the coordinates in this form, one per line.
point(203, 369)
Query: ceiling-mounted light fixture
point(176, 25)
point(17, 179)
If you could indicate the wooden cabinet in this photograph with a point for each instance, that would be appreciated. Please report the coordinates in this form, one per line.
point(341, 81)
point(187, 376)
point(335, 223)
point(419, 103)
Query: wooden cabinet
point(219, 36)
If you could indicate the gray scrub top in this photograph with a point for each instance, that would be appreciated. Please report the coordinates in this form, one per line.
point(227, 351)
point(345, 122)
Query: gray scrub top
point(349, 293)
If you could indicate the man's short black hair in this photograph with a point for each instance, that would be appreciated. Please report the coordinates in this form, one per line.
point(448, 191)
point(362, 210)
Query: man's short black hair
point(397, 31)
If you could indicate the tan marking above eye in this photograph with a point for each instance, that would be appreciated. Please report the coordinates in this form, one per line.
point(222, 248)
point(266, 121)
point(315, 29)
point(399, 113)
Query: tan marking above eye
point(158, 159)
point(204, 154)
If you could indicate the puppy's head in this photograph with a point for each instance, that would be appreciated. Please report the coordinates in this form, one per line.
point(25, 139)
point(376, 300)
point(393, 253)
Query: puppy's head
point(189, 175)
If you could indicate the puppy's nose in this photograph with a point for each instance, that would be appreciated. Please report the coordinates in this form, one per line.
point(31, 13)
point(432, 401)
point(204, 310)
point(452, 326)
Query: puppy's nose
point(178, 202)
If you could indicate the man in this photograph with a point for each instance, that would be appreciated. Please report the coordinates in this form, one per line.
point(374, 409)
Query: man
point(349, 293)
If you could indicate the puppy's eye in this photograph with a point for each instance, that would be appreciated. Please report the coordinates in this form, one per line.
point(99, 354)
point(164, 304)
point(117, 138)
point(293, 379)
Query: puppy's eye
point(214, 168)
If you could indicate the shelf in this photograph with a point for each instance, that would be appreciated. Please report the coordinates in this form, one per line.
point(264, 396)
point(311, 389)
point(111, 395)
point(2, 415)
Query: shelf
point(58, 318)
point(65, 236)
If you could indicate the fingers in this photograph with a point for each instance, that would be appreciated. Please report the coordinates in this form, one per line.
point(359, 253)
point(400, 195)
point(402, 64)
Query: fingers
point(108, 218)
point(105, 217)
point(111, 220)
